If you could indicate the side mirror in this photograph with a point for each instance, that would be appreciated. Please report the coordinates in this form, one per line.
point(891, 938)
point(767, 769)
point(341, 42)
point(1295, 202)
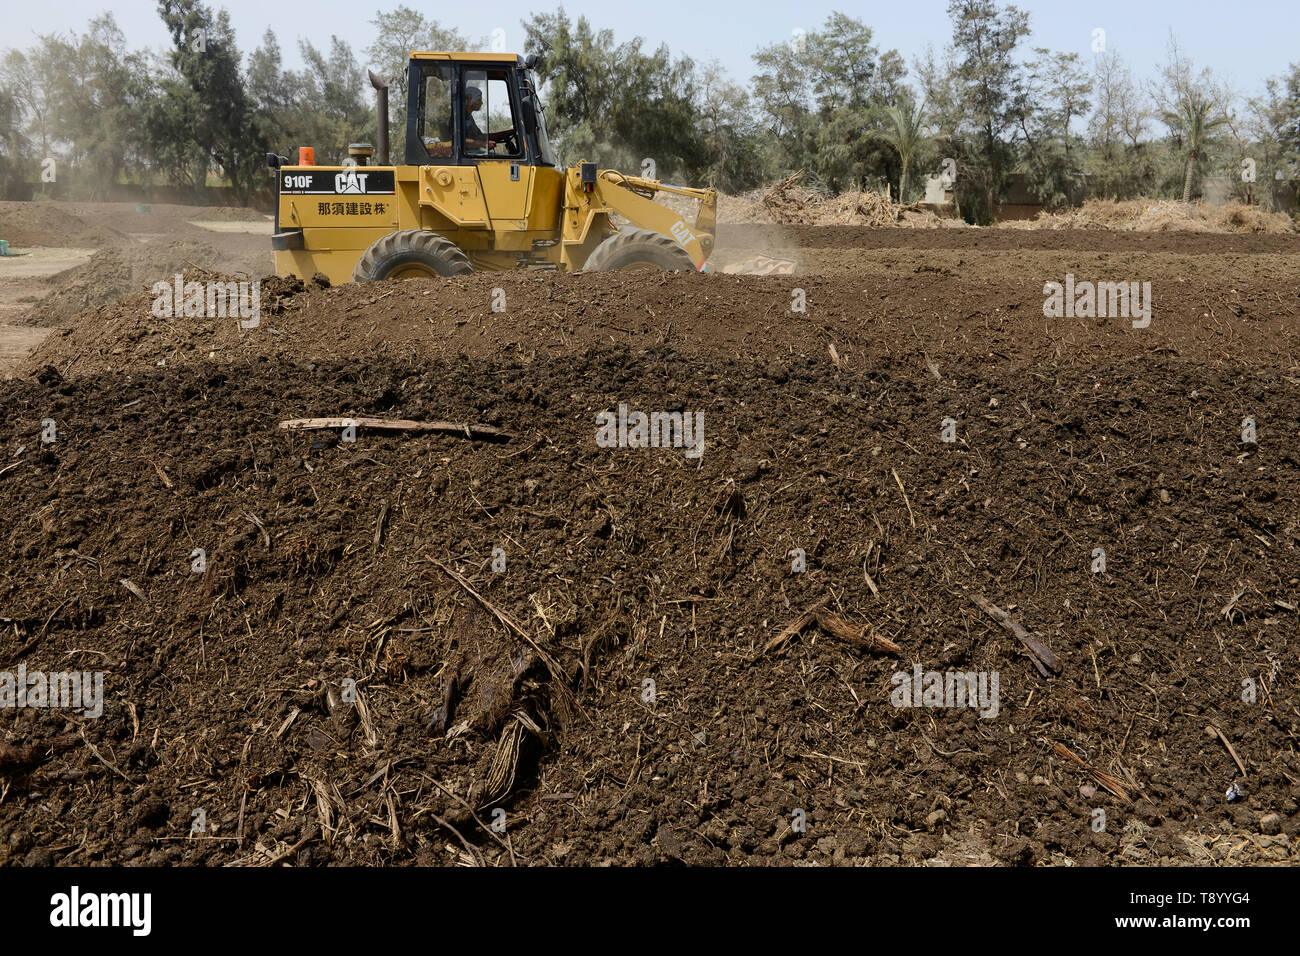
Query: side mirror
point(529, 110)
point(530, 63)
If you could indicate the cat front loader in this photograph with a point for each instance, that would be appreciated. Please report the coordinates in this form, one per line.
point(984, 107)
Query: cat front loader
point(479, 189)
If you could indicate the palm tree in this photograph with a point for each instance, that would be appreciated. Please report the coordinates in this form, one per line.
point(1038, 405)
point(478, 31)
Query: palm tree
point(1196, 116)
point(905, 132)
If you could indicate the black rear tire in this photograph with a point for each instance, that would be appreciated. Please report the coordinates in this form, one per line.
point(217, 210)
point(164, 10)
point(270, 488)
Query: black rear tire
point(409, 254)
point(639, 249)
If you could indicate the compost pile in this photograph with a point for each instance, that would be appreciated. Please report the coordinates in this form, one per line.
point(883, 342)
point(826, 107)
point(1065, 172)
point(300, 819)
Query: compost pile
point(370, 646)
point(27, 224)
point(116, 271)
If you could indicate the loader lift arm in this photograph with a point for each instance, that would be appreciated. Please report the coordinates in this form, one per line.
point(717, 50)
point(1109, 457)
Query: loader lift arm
point(629, 197)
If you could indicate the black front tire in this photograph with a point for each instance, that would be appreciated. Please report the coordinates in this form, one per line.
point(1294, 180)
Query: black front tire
point(639, 249)
point(409, 254)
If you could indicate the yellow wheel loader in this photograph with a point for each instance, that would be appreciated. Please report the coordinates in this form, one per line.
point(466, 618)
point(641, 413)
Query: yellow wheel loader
point(479, 189)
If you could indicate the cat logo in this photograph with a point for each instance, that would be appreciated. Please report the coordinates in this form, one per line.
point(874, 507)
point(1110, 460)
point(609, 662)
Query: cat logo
point(350, 182)
point(682, 233)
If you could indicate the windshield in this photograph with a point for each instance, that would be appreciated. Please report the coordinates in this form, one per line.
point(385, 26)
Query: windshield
point(547, 158)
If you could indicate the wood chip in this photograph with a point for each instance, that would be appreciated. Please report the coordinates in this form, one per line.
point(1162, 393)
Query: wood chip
point(1039, 652)
point(1110, 782)
point(834, 625)
point(162, 474)
point(1213, 731)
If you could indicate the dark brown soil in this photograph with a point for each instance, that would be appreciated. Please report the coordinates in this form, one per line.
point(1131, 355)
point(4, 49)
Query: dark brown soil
point(329, 561)
point(990, 240)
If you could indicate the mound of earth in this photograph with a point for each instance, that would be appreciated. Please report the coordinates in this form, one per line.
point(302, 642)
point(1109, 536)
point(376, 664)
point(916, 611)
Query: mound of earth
point(119, 270)
point(372, 647)
point(29, 224)
point(161, 217)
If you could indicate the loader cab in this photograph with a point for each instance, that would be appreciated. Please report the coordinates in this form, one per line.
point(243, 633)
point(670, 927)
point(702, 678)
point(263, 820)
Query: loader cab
point(473, 108)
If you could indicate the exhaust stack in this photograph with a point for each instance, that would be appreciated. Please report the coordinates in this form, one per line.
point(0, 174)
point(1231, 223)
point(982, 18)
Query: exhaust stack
point(381, 107)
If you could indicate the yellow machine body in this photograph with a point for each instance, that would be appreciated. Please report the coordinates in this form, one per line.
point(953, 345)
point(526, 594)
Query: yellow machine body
point(511, 213)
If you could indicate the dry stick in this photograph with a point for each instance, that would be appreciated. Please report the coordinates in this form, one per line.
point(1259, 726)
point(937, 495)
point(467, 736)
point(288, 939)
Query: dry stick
point(379, 524)
point(1109, 782)
point(464, 429)
point(854, 635)
point(910, 516)
point(1226, 610)
point(161, 474)
point(1213, 731)
point(556, 673)
point(1039, 652)
point(100, 757)
point(469, 847)
point(833, 624)
point(312, 833)
point(465, 803)
point(266, 537)
point(866, 558)
point(795, 626)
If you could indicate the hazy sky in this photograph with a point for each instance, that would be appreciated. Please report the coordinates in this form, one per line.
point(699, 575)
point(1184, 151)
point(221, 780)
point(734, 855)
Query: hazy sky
point(1244, 41)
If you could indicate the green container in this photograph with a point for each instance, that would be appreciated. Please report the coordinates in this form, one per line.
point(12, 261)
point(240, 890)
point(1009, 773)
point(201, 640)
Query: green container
point(4, 247)
point(141, 207)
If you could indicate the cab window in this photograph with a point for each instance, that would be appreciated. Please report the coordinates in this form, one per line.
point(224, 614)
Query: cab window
point(436, 125)
point(490, 125)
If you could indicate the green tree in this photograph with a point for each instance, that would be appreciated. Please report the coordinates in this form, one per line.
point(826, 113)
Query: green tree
point(905, 132)
point(730, 141)
point(617, 104)
point(208, 62)
point(171, 143)
point(271, 92)
point(32, 78)
point(1274, 122)
point(985, 37)
point(1053, 93)
point(98, 104)
point(1195, 118)
point(1284, 116)
point(1120, 160)
point(13, 150)
point(333, 108)
point(822, 97)
point(1193, 107)
point(398, 32)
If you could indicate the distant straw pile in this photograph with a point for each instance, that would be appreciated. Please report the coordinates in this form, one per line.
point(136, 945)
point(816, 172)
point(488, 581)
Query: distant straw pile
point(1151, 215)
